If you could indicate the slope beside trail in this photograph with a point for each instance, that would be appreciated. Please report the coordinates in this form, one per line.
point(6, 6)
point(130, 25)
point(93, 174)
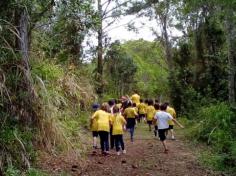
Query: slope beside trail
point(145, 156)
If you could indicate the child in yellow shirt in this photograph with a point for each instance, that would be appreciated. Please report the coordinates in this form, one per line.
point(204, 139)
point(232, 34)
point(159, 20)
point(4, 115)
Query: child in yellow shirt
point(94, 126)
point(103, 121)
point(118, 122)
point(150, 114)
point(130, 114)
point(141, 111)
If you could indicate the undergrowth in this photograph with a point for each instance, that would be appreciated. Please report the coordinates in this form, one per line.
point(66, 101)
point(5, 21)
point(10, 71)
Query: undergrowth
point(63, 98)
point(214, 126)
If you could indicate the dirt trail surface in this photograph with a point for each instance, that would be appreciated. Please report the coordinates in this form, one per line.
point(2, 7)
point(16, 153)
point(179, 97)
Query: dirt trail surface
point(144, 157)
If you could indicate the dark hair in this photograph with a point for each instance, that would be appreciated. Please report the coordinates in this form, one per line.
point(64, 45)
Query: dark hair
point(141, 100)
point(156, 106)
point(134, 104)
point(150, 102)
point(111, 102)
point(163, 107)
point(156, 101)
point(129, 104)
point(167, 103)
point(146, 101)
point(116, 109)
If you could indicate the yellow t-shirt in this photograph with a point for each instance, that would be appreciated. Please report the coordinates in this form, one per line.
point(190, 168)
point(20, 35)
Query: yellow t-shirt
point(130, 112)
point(142, 108)
point(150, 113)
point(136, 109)
point(172, 112)
point(94, 125)
point(135, 99)
point(103, 120)
point(117, 121)
point(155, 122)
point(119, 105)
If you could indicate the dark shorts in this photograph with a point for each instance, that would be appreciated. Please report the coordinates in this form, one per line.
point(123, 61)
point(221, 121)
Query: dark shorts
point(171, 127)
point(149, 122)
point(162, 134)
point(130, 122)
point(95, 133)
point(141, 116)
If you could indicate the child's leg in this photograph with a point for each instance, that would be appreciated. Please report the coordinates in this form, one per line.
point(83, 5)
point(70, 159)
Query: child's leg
point(164, 144)
point(155, 131)
point(106, 141)
point(122, 142)
point(132, 133)
point(112, 142)
point(116, 138)
point(171, 127)
point(95, 135)
point(101, 135)
point(94, 142)
point(162, 136)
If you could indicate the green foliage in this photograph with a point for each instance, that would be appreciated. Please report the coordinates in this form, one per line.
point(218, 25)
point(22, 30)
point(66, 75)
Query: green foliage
point(213, 125)
point(48, 71)
point(120, 70)
point(11, 171)
point(35, 172)
point(152, 73)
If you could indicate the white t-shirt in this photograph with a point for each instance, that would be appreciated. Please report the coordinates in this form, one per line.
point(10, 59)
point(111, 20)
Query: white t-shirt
point(162, 117)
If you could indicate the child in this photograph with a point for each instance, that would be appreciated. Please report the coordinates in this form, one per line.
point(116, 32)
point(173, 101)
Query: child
point(162, 118)
point(150, 114)
point(141, 111)
point(157, 108)
point(118, 123)
point(94, 126)
point(130, 115)
point(103, 121)
point(111, 104)
point(172, 112)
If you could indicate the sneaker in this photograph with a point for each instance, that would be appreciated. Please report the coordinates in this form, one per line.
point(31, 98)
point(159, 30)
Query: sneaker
point(124, 151)
point(166, 151)
point(118, 153)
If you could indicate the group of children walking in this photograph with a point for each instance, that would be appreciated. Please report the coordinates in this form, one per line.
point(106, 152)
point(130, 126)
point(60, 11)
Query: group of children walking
point(113, 118)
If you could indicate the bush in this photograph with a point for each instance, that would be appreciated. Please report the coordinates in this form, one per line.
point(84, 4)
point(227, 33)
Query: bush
point(213, 126)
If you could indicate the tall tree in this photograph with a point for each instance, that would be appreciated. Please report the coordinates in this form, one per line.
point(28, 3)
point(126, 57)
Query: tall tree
point(108, 14)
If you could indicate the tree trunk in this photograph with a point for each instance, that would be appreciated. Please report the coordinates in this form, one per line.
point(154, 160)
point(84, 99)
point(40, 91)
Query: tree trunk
point(100, 53)
point(23, 47)
point(231, 39)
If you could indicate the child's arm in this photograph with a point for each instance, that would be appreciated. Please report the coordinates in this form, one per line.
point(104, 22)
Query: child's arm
point(176, 122)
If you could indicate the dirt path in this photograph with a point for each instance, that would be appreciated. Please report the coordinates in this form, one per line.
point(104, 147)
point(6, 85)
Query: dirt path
point(144, 157)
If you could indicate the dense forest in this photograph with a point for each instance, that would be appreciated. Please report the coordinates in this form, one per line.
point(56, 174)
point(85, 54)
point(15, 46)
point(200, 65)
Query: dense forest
point(50, 74)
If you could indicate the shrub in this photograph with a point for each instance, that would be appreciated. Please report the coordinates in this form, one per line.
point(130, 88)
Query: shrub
point(213, 126)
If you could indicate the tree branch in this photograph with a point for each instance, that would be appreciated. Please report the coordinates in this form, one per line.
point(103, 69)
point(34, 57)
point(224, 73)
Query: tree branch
point(116, 7)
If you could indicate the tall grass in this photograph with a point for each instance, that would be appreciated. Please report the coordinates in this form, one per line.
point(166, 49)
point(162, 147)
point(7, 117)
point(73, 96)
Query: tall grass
point(214, 125)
